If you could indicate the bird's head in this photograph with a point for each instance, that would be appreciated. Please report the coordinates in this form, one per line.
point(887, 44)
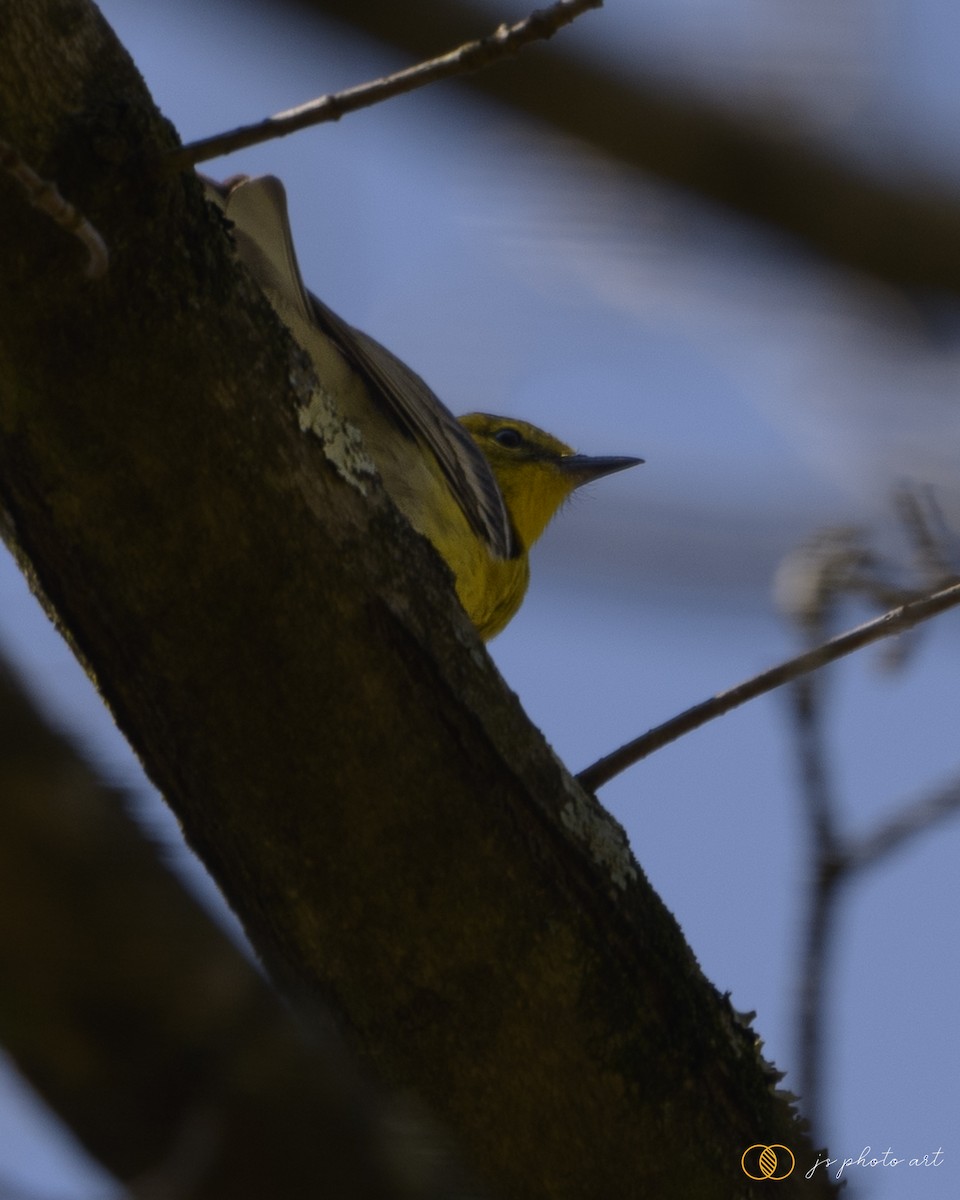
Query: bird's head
point(536, 472)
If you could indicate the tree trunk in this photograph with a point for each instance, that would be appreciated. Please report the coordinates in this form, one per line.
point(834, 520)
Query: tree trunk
point(289, 661)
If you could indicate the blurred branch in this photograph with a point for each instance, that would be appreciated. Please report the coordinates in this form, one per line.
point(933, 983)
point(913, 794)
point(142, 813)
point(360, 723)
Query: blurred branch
point(896, 621)
point(811, 585)
point(145, 1028)
point(824, 874)
point(506, 40)
point(934, 544)
point(906, 233)
point(893, 835)
point(834, 861)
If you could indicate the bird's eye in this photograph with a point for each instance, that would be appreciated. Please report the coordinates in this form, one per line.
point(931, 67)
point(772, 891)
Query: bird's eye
point(510, 438)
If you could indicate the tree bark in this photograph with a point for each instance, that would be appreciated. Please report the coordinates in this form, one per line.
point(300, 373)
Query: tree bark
point(142, 1023)
point(289, 661)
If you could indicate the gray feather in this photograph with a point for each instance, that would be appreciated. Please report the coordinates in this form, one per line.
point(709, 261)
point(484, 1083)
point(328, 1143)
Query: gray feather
point(258, 208)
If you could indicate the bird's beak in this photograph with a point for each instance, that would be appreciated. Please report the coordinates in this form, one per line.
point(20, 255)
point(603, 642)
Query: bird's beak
point(584, 469)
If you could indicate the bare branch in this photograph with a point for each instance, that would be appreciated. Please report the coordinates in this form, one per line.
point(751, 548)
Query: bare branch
point(507, 39)
point(896, 621)
point(43, 195)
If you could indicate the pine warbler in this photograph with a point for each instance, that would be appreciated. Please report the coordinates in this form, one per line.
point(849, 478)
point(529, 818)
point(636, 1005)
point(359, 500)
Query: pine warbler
point(481, 489)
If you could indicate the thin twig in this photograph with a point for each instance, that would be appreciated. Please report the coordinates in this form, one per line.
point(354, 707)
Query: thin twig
point(471, 56)
point(896, 621)
point(43, 195)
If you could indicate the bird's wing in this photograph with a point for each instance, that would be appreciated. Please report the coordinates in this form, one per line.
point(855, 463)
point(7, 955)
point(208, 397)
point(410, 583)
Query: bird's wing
point(258, 209)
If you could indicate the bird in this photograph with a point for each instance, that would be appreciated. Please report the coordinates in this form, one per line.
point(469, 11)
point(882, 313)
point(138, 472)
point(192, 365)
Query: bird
point(481, 488)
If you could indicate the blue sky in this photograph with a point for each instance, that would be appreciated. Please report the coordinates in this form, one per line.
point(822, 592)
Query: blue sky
point(769, 395)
